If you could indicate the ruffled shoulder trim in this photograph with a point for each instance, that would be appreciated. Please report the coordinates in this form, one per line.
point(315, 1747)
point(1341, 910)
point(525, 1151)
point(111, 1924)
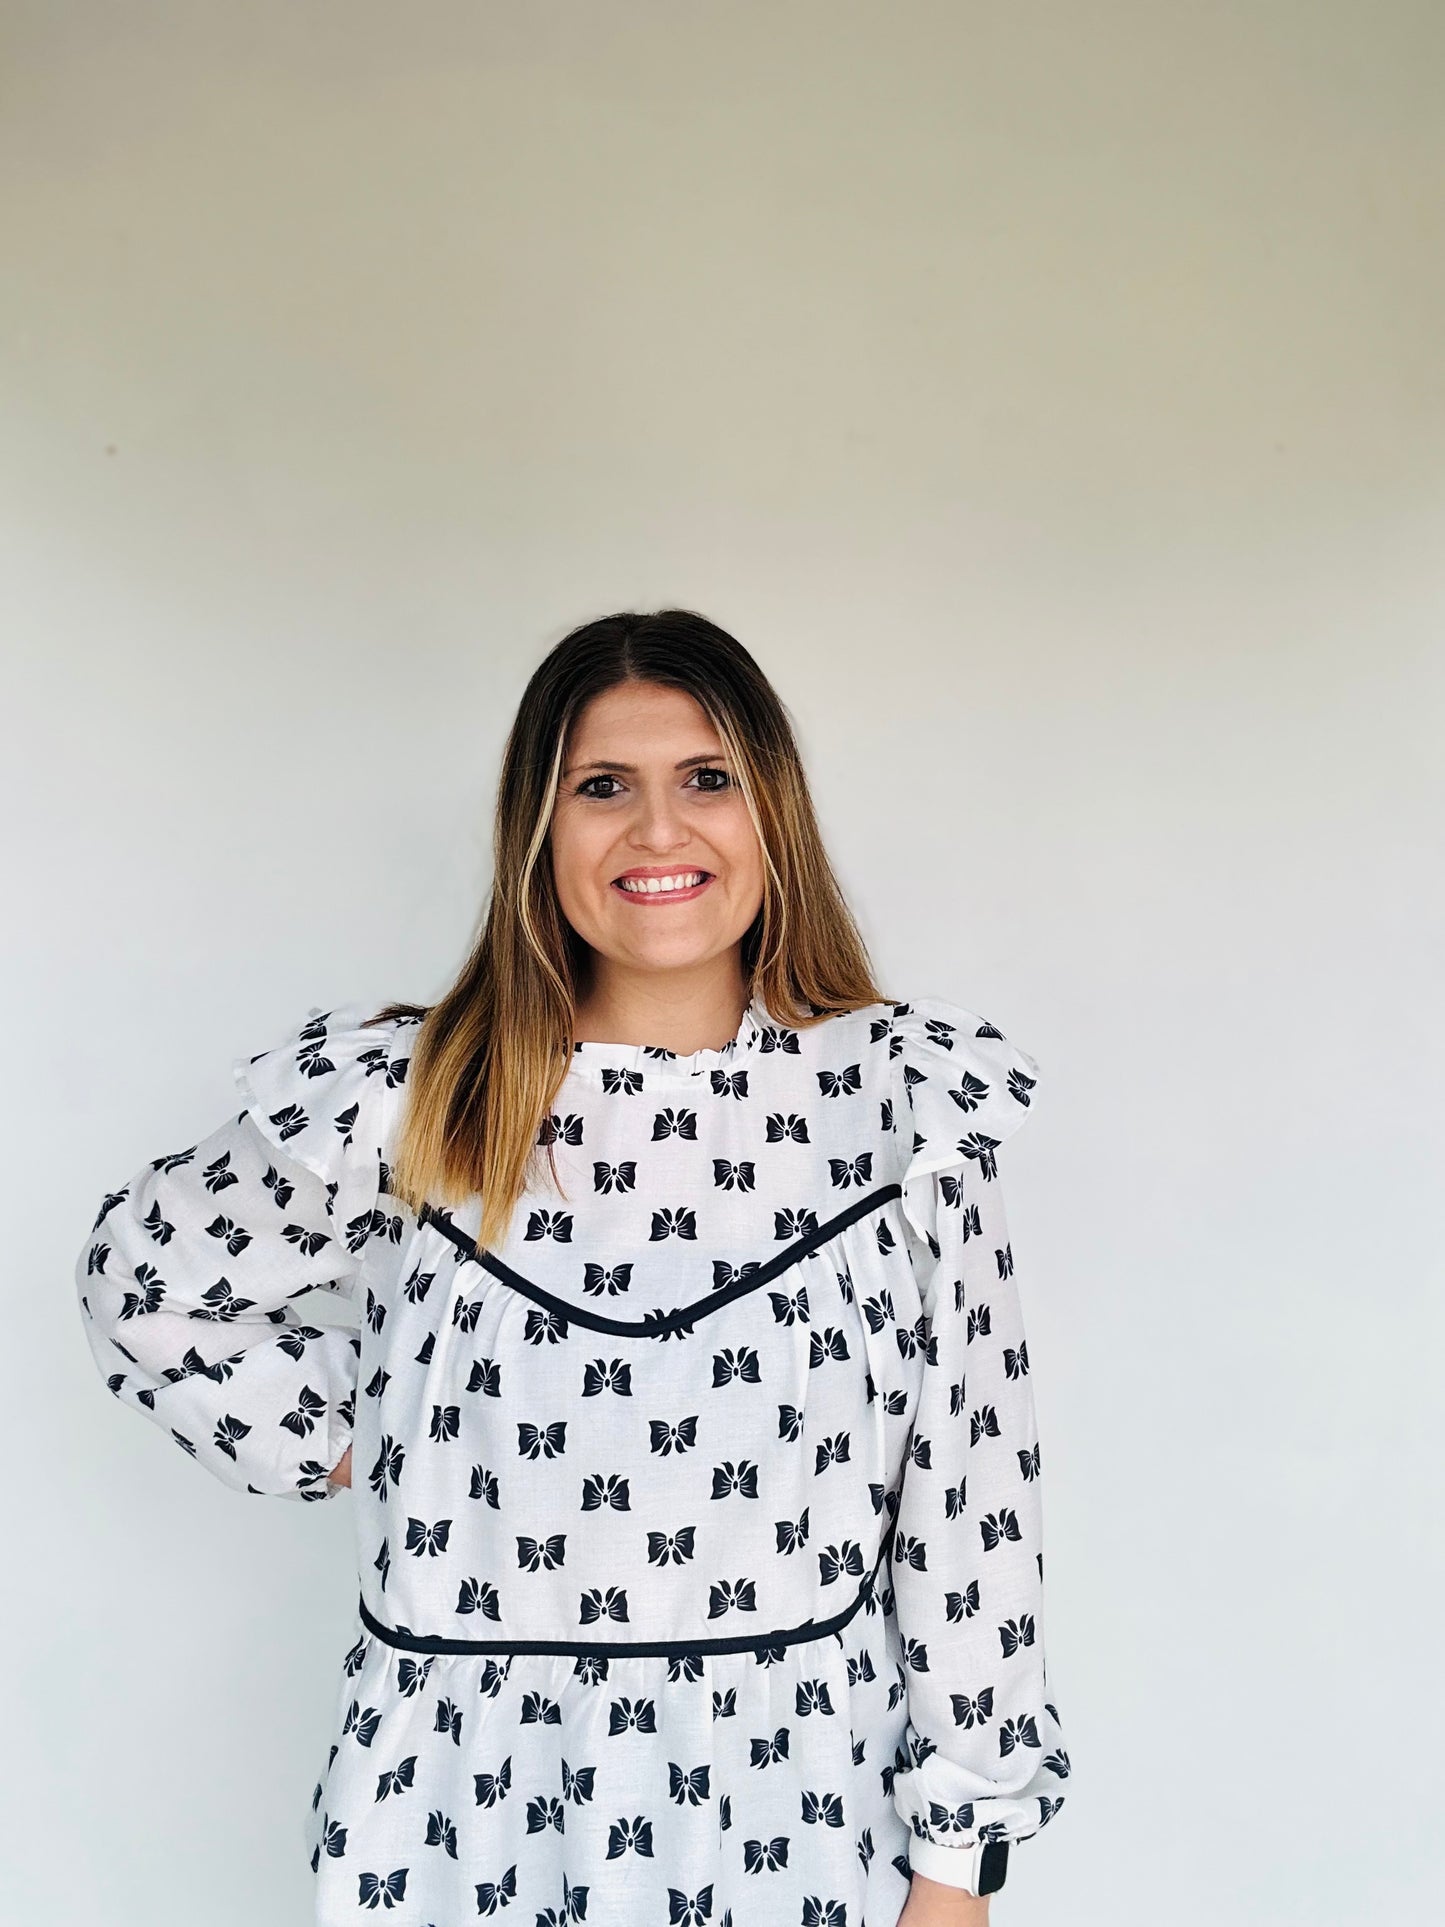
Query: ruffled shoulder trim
point(961, 1088)
point(328, 1096)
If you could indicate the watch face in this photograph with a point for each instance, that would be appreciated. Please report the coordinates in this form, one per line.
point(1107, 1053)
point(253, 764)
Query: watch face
point(992, 1866)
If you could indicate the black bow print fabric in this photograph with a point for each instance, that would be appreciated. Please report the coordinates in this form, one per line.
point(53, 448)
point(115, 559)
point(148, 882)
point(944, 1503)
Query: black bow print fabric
point(700, 1519)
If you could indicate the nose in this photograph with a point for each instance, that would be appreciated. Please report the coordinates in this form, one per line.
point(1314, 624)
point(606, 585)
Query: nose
point(658, 825)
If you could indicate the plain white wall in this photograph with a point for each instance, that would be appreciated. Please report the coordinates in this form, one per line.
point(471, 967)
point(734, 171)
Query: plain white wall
point(1051, 396)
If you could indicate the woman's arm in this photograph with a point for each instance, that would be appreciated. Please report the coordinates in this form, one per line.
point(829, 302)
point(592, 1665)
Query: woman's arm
point(984, 1758)
point(187, 1287)
point(189, 1281)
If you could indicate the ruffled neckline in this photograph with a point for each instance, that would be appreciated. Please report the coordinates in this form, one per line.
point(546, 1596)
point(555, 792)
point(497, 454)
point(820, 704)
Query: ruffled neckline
point(591, 1059)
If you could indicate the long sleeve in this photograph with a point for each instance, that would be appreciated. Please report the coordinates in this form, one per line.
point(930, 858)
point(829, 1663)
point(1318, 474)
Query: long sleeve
point(189, 1279)
point(984, 1757)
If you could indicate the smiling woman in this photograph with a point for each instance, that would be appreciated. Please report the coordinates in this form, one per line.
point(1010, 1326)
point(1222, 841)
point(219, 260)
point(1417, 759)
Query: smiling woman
point(658, 866)
point(643, 744)
point(698, 1517)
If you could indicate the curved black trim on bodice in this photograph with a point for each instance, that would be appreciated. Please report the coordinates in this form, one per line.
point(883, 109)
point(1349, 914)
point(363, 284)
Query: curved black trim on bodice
point(411, 1642)
point(662, 1322)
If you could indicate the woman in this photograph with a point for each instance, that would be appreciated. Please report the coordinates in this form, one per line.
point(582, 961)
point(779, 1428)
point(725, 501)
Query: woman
point(698, 1468)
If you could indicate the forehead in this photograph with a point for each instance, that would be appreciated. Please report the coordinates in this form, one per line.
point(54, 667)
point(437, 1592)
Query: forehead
point(640, 722)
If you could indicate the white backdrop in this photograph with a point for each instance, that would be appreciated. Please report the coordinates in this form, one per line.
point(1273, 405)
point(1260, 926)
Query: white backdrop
point(1052, 398)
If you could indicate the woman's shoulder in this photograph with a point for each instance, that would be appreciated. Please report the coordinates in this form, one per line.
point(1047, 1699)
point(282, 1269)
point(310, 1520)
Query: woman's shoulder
point(925, 1032)
point(958, 1074)
point(331, 1083)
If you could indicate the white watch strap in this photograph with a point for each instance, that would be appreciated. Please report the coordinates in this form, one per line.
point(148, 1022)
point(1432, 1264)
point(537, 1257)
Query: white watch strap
point(951, 1866)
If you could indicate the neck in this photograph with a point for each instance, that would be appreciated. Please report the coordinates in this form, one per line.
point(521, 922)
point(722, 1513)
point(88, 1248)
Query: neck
point(683, 1011)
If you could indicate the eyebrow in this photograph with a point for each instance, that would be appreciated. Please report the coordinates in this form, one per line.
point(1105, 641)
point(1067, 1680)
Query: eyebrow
point(630, 769)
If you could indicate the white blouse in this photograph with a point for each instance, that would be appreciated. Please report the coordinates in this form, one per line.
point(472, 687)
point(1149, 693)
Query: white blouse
point(698, 1522)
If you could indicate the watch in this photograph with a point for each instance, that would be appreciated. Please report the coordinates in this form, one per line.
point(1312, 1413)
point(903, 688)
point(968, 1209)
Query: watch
point(979, 1869)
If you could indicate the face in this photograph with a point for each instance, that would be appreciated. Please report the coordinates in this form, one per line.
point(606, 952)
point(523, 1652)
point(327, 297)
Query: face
point(648, 797)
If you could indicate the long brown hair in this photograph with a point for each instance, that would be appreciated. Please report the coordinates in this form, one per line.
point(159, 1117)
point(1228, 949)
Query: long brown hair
point(489, 1058)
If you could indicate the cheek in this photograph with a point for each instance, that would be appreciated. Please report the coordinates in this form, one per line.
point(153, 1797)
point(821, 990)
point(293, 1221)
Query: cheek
point(745, 859)
point(571, 866)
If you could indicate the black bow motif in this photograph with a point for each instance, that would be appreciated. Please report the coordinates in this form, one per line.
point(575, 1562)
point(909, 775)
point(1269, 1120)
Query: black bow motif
point(494, 1894)
point(596, 1604)
point(597, 1279)
point(727, 1176)
point(666, 1439)
point(765, 1856)
point(791, 1534)
point(837, 1562)
point(995, 1527)
point(630, 1835)
point(397, 1778)
point(847, 1173)
point(688, 1789)
point(489, 1788)
point(671, 1548)
point(607, 1178)
point(607, 1375)
point(822, 1808)
point(767, 1752)
point(742, 1366)
point(631, 1716)
point(383, 1890)
point(429, 1540)
point(829, 1343)
point(440, 1832)
point(1015, 1633)
point(549, 1224)
point(673, 1221)
point(689, 1910)
point(541, 1441)
point(731, 1595)
point(534, 1555)
point(790, 1308)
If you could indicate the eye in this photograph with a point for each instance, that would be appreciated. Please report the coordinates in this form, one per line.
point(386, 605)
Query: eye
point(584, 788)
point(709, 770)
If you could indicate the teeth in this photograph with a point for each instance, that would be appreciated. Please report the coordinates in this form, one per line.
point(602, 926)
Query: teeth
point(655, 886)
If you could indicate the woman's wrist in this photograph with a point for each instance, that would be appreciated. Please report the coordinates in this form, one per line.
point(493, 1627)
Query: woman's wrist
point(933, 1903)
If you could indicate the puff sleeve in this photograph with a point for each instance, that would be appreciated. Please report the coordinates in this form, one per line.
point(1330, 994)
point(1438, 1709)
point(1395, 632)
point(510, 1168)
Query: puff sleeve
point(983, 1756)
point(188, 1281)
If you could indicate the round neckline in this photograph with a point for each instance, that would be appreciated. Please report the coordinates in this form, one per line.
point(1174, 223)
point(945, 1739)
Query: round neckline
point(656, 1062)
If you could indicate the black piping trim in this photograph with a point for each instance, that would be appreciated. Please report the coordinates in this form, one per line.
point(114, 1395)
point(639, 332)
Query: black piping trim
point(687, 1315)
point(411, 1642)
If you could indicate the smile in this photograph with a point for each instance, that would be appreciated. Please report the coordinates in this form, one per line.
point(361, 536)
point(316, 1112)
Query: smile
point(673, 887)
